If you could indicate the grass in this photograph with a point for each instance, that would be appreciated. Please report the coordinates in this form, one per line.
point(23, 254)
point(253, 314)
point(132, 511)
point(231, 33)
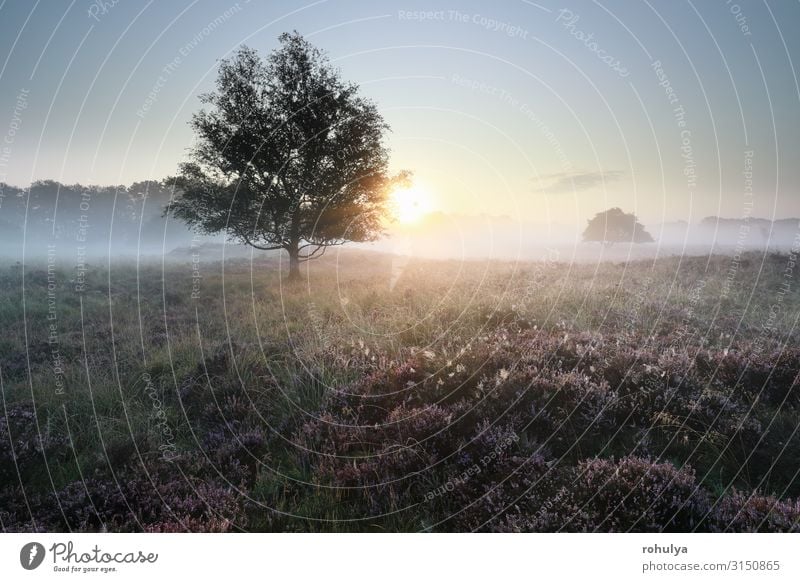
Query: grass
point(245, 404)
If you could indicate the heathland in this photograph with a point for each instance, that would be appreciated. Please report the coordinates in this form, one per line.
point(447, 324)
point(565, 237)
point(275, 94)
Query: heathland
point(392, 394)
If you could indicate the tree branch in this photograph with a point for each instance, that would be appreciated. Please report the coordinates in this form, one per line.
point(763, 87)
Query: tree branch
point(259, 247)
point(321, 248)
point(313, 254)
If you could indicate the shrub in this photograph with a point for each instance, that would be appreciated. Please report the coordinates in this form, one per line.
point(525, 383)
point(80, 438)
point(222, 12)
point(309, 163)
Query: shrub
point(739, 512)
point(631, 494)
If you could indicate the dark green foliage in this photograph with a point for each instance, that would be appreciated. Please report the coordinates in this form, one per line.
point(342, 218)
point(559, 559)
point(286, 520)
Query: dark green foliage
point(614, 226)
point(289, 156)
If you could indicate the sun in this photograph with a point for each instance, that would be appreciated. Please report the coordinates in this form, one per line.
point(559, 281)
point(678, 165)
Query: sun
point(410, 204)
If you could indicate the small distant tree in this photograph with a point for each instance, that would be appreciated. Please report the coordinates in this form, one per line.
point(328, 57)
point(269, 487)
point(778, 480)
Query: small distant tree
point(613, 226)
point(288, 157)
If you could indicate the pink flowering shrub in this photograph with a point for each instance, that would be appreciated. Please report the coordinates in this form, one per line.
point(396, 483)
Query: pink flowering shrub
point(739, 512)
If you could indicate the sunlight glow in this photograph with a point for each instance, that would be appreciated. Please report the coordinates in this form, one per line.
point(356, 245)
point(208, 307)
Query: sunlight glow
point(410, 204)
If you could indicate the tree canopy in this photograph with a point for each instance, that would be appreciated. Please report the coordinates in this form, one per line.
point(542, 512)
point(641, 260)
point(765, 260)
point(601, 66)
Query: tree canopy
point(613, 226)
point(288, 156)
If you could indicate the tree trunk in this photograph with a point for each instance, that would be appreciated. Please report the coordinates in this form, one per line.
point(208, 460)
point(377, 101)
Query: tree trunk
point(294, 263)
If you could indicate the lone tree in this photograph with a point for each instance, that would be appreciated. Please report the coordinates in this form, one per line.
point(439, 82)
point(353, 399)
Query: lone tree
point(614, 225)
point(288, 156)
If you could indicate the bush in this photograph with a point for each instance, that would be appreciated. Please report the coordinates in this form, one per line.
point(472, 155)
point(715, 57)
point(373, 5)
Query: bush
point(740, 512)
point(631, 494)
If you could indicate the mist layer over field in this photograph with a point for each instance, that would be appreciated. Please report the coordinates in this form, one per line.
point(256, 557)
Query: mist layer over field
point(73, 224)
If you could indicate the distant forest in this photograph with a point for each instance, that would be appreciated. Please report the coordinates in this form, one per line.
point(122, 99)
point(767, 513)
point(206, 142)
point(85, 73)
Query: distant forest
point(119, 219)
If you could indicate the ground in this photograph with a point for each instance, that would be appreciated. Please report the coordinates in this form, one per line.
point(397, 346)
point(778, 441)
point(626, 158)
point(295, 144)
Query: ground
point(393, 394)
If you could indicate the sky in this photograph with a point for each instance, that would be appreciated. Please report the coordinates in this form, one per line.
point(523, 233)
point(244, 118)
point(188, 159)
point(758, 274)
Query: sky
point(546, 112)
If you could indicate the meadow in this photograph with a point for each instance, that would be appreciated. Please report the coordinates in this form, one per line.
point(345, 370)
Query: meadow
point(391, 394)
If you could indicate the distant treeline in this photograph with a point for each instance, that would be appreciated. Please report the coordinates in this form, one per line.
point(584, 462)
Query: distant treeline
point(119, 219)
point(127, 220)
point(767, 229)
point(745, 232)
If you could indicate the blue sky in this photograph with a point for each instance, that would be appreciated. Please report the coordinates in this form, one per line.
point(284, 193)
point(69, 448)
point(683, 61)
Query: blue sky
point(499, 108)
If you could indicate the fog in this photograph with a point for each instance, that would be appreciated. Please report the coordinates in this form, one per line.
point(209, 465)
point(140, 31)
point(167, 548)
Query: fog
point(443, 236)
point(76, 224)
point(90, 222)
